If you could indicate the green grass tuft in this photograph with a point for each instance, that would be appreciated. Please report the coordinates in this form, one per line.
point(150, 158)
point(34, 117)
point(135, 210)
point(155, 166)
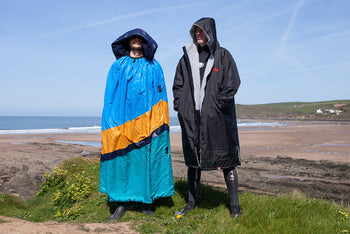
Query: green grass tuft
point(286, 213)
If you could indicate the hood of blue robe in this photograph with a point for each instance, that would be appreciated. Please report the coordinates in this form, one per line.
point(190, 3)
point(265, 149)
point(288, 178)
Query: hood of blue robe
point(121, 47)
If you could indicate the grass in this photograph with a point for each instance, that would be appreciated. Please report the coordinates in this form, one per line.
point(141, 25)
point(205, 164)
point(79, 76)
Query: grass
point(294, 110)
point(286, 213)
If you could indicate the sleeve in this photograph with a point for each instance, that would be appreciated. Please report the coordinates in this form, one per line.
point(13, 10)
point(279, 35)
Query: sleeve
point(178, 84)
point(230, 83)
point(111, 84)
point(109, 96)
point(160, 82)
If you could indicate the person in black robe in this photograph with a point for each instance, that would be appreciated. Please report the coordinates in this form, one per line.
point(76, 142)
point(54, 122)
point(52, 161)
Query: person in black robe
point(205, 84)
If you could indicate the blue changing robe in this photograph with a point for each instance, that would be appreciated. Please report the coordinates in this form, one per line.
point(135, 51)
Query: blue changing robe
point(135, 159)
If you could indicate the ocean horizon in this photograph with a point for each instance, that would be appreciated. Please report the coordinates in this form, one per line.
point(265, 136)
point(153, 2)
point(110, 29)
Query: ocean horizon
point(83, 124)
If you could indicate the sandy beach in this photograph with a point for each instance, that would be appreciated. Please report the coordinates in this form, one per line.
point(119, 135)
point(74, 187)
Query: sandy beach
point(311, 156)
point(301, 151)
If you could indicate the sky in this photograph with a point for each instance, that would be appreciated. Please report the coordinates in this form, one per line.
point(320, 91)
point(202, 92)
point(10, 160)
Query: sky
point(55, 55)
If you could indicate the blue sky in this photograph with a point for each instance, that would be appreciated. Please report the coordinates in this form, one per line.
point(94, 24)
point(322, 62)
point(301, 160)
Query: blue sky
point(55, 55)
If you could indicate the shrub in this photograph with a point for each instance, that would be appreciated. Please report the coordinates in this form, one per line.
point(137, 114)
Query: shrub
point(69, 191)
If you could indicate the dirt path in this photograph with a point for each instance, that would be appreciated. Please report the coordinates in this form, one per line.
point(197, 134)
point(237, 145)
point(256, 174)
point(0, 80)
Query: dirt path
point(13, 225)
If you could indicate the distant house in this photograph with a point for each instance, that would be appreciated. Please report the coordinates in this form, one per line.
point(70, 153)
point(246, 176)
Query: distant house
point(332, 111)
point(329, 111)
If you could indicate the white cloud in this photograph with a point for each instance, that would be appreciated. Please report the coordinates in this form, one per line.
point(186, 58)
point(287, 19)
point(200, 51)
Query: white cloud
point(259, 20)
point(111, 20)
point(285, 36)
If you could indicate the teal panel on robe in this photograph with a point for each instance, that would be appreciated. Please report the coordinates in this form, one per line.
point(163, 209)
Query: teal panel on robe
point(142, 175)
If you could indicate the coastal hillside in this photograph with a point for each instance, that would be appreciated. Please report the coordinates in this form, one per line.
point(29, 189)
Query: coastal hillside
point(327, 110)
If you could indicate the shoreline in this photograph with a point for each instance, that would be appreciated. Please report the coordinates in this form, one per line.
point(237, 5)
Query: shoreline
point(96, 129)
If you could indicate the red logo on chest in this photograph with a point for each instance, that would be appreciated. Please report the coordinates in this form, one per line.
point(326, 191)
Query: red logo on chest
point(215, 69)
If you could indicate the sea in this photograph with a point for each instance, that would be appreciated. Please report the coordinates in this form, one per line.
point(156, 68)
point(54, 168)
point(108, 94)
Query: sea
point(55, 125)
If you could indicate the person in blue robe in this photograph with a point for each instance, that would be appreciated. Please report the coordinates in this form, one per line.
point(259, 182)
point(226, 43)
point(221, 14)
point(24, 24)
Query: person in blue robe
point(135, 163)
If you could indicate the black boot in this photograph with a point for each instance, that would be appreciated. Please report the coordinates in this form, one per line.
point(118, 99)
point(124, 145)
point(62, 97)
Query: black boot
point(193, 176)
point(147, 209)
point(118, 213)
point(231, 179)
point(236, 214)
point(185, 210)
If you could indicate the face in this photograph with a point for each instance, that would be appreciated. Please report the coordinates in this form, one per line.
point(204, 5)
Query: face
point(200, 36)
point(135, 43)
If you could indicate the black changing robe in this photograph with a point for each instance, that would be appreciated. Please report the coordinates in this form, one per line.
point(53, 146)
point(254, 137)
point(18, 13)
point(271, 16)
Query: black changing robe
point(206, 110)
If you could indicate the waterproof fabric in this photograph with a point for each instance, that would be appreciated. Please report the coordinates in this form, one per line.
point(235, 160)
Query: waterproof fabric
point(121, 48)
point(206, 110)
point(135, 158)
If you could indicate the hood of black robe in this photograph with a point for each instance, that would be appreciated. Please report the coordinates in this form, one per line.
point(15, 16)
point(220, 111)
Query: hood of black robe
point(208, 27)
point(121, 46)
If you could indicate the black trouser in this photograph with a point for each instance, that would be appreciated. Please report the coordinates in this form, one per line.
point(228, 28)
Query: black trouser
point(231, 179)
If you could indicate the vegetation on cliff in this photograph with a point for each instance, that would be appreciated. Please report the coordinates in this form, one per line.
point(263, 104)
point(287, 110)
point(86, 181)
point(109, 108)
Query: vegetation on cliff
point(328, 110)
